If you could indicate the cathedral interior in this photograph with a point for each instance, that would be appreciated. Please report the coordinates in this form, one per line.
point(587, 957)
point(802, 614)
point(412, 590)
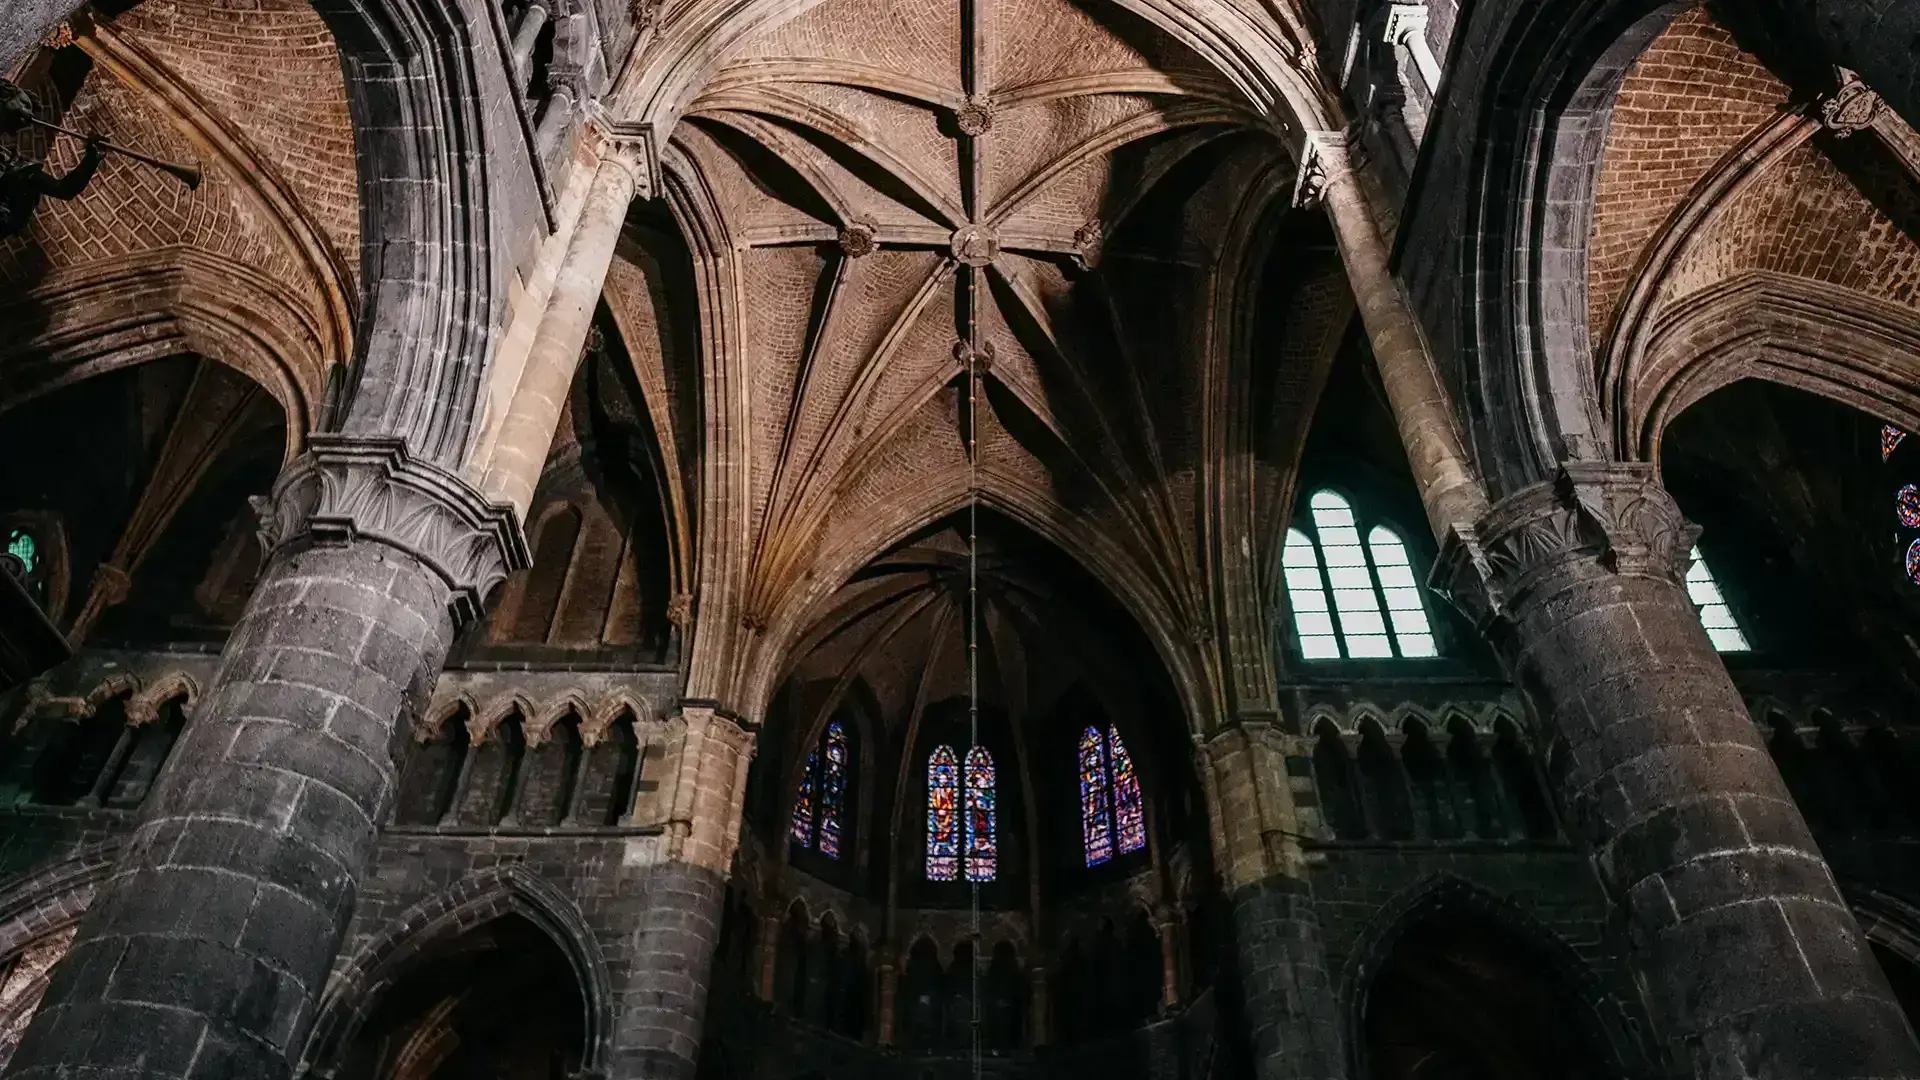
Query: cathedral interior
point(938, 539)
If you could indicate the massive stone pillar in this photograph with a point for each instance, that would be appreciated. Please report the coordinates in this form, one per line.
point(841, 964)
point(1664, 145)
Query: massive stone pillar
point(662, 989)
point(205, 952)
point(1751, 961)
point(1285, 989)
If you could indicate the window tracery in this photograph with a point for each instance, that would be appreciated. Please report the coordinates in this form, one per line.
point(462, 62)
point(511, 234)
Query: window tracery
point(961, 807)
point(1113, 821)
point(819, 808)
point(1376, 611)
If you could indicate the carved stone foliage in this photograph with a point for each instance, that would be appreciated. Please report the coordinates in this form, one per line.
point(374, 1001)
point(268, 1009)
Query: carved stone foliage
point(348, 489)
point(1614, 517)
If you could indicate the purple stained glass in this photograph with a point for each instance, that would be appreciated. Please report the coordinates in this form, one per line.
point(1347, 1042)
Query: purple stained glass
point(1890, 437)
point(1913, 562)
point(943, 824)
point(1096, 817)
point(1129, 818)
point(980, 839)
point(833, 788)
point(803, 804)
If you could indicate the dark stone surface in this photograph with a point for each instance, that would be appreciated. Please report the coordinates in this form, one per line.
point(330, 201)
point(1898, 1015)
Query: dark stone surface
point(1286, 997)
point(205, 953)
point(1749, 955)
point(668, 960)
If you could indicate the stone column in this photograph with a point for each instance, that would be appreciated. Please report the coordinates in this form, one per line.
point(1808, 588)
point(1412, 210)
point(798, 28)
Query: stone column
point(1039, 1025)
point(1168, 929)
point(516, 448)
point(1276, 931)
point(889, 990)
point(1449, 488)
point(205, 952)
point(663, 991)
point(769, 956)
point(1751, 961)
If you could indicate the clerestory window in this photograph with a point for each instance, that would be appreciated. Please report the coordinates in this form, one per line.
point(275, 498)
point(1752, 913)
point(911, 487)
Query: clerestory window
point(1352, 600)
point(819, 812)
point(960, 803)
point(1715, 615)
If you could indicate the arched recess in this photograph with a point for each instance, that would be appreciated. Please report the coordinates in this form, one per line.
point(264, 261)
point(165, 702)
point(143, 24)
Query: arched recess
point(1892, 929)
point(1410, 958)
point(38, 915)
point(1824, 339)
point(1525, 361)
point(358, 984)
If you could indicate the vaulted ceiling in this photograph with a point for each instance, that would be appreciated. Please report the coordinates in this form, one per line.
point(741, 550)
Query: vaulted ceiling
point(1051, 190)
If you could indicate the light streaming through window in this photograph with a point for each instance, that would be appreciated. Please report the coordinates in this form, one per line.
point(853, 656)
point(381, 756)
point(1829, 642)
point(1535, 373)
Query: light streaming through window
point(1715, 615)
point(1376, 611)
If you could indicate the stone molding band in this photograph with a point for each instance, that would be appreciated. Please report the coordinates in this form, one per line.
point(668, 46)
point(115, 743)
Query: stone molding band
point(347, 489)
point(1612, 514)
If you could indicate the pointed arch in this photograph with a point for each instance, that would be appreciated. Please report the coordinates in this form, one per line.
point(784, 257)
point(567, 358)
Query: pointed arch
point(943, 815)
point(819, 809)
point(1129, 815)
point(982, 842)
point(1095, 816)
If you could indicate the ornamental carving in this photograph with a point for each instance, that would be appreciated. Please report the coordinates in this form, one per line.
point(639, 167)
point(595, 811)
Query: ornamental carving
point(1852, 107)
point(975, 245)
point(857, 239)
point(1615, 516)
point(973, 119)
point(347, 490)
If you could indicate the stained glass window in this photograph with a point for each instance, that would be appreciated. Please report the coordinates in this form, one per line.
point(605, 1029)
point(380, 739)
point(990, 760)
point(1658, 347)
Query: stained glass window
point(1129, 818)
point(980, 794)
point(1890, 438)
point(943, 822)
point(1096, 817)
point(1376, 599)
point(803, 804)
point(833, 788)
point(1913, 562)
point(822, 798)
point(1906, 506)
point(1715, 615)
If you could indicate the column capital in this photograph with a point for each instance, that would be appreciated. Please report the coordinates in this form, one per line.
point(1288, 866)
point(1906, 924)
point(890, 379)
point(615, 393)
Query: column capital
point(352, 488)
point(1614, 516)
point(628, 145)
point(1851, 107)
point(1326, 158)
point(1404, 19)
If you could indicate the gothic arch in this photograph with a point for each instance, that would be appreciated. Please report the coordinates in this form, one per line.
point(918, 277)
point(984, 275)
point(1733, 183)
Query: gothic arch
point(1827, 340)
point(357, 984)
point(1444, 894)
point(1547, 99)
point(54, 897)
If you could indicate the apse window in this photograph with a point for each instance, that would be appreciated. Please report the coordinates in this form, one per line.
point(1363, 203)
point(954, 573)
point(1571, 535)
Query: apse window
point(819, 809)
point(1352, 600)
point(1715, 615)
point(960, 816)
point(1111, 818)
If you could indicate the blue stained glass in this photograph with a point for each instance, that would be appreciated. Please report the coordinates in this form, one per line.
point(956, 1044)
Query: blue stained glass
point(833, 788)
point(1096, 816)
point(1130, 822)
point(943, 825)
point(803, 804)
point(980, 839)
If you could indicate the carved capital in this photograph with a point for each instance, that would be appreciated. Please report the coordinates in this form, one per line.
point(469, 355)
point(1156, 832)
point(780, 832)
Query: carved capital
point(354, 489)
point(1853, 106)
point(1616, 517)
point(1325, 159)
point(628, 146)
point(1403, 21)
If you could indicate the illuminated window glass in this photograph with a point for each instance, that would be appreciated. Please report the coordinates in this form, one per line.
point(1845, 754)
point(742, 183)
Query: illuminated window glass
point(1096, 818)
point(1406, 612)
point(1376, 611)
point(20, 545)
point(1129, 818)
point(822, 798)
point(1715, 615)
point(980, 794)
point(1307, 595)
point(1890, 439)
point(943, 815)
